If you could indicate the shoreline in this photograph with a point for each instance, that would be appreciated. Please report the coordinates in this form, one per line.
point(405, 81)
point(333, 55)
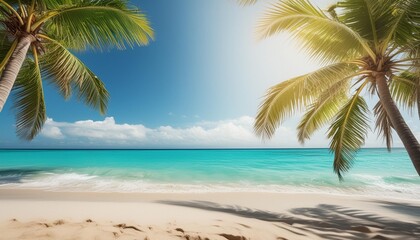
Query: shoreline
point(9, 193)
point(194, 190)
point(247, 215)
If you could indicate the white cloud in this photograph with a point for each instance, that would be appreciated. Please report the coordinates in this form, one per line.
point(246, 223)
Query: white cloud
point(230, 132)
point(227, 133)
point(51, 131)
point(95, 131)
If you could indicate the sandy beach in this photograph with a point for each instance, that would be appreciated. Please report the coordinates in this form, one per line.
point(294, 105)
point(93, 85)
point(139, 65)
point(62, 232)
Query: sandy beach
point(36, 214)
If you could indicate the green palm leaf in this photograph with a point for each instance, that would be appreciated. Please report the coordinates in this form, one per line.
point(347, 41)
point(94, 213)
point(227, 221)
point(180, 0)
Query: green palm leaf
point(316, 31)
point(97, 25)
point(402, 29)
point(29, 101)
point(323, 110)
point(348, 133)
point(370, 18)
point(383, 124)
point(283, 99)
point(405, 89)
point(412, 7)
point(65, 70)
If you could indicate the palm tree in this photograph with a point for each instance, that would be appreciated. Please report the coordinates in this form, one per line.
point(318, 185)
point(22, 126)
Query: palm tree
point(36, 40)
point(367, 46)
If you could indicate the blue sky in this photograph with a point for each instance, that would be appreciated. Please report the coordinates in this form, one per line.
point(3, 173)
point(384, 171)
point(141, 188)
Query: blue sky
point(198, 84)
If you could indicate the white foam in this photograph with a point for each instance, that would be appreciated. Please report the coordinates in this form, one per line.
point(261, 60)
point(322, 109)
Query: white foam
point(76, 182)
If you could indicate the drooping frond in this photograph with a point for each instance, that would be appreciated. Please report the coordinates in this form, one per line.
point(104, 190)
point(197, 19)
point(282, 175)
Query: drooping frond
point(97, 25)
point(383, 124)
point(348, 133)
point(323, 109)
point(283, 99)
point(405, 89)
point(371, 19)
point(29, 101)
point(66, 71)
point(325, 39)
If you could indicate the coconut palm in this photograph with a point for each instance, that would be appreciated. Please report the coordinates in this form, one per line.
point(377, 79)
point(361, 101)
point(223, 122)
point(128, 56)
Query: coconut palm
point(37, 38)
point(367, 47)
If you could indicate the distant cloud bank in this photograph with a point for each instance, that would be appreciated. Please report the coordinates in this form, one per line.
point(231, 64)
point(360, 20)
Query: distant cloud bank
point(228, 133)
point(231, 133)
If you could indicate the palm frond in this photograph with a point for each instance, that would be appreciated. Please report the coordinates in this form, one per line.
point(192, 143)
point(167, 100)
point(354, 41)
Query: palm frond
point(29, 101)
point(65, 70)
point(323, 109)
point(402, 30)
point(325, 39)
point(97, 24)
point(405, 89)
point(283, 99)
point(412, 7)
point(348, 133)
point(383, 124)
point(46, 5)
point(370, 18)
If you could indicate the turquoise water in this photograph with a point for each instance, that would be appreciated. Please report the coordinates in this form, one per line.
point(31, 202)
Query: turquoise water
point(279, 170)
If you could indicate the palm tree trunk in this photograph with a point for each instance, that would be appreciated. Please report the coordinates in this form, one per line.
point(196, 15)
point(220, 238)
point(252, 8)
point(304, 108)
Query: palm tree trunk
point(407, 137)
point(8, 77)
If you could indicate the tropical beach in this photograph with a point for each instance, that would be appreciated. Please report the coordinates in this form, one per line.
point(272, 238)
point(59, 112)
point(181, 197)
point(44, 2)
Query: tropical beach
point(202, 120)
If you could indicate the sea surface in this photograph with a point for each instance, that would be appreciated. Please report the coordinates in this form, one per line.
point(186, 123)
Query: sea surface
point(375, 172)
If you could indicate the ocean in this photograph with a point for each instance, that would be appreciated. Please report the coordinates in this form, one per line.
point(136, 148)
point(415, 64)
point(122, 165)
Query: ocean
point(375, 171)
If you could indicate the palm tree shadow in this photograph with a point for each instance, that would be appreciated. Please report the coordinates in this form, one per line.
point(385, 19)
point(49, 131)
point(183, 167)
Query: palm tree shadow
point(16, 175)
point(403, 208)
point(324, 220)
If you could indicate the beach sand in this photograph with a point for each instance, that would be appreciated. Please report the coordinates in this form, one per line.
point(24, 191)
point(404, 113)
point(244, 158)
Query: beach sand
point(35, 214)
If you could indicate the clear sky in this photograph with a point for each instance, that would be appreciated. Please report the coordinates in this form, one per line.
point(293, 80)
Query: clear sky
point(198, 84)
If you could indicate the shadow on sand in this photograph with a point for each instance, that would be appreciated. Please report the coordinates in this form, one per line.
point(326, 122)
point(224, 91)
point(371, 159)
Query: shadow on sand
point(325, 221)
